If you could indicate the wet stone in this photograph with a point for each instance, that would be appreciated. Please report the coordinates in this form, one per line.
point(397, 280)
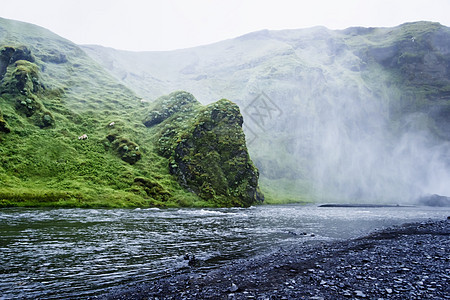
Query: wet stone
point(359, 294)
point(347, 294)
point(391, 274)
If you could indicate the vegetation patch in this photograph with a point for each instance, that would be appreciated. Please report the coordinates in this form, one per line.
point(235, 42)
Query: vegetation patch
point(153, 189)
point(127, 150)
point(166, 106)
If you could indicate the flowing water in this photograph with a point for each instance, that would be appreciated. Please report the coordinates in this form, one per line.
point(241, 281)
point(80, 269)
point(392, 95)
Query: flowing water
point(78, 253)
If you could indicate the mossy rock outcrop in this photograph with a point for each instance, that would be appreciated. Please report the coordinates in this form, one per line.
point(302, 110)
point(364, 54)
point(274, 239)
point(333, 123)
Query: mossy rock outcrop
point(21, 80)
point(208, 154)
point(167, 106)
point(18, 71)
point(152, 189)
point(127, 150)
point(9, 55)
point(22, 77)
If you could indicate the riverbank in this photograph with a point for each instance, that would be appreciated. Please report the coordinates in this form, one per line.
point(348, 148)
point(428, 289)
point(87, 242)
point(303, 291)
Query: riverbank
point(403, 262)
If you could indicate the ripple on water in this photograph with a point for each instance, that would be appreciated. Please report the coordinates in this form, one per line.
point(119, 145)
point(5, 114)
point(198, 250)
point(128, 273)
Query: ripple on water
point(76, 253)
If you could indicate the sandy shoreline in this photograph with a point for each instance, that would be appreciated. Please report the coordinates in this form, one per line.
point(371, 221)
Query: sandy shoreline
point(411, 261)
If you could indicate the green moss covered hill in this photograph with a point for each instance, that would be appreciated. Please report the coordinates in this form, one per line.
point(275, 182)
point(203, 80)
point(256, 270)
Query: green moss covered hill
point(72, 136)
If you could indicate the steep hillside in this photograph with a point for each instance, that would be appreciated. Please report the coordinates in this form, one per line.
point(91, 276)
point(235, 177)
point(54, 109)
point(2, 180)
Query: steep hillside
point(72, 135)
point(66, 68)
point(354, 115)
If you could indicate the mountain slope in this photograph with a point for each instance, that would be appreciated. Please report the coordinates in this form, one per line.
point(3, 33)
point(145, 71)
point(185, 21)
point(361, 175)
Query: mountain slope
point(355, 115)
point(72, 135)
point(66, 67)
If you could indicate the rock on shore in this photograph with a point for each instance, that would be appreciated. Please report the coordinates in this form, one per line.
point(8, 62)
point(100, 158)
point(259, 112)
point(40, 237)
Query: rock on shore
point(403, 262)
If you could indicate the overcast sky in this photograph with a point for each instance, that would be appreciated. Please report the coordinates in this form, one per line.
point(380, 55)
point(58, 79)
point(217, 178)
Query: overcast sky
point(173, 24)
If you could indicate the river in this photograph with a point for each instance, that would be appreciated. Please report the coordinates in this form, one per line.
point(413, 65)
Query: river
point(79, 253)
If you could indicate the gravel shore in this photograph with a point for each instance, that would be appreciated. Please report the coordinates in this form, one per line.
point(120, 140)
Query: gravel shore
point(411, 261)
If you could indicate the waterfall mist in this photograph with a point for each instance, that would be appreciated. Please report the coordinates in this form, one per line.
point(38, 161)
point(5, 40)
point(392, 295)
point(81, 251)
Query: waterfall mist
point(360, 155)
point(358, 115)
point(352, 133)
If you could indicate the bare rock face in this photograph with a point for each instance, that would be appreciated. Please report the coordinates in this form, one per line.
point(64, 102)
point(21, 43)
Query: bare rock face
point(9, 55)
point(207, 151)
point(3, 125)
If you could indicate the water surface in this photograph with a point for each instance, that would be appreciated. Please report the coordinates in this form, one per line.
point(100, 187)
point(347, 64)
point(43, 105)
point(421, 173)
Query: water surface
point(76, 253)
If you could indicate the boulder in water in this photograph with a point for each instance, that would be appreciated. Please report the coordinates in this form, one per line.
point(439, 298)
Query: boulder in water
point(434, 200)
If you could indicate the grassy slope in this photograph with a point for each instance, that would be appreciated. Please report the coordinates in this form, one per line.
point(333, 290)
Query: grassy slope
point(51, 166)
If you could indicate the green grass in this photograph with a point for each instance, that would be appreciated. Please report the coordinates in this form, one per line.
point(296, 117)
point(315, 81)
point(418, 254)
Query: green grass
point(286, 191)
point(43, 197)
point(47, 107)
point(53, 97)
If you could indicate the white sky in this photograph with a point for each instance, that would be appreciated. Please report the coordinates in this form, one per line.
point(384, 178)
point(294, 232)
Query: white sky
point(173, 24)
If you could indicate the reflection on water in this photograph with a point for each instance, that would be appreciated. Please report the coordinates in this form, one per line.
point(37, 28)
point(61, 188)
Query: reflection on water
point(71, 253)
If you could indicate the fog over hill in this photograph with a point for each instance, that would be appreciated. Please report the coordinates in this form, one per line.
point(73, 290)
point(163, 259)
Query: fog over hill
point(361, 114)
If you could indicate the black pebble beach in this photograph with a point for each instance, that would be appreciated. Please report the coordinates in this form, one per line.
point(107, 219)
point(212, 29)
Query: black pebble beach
point(411, 261)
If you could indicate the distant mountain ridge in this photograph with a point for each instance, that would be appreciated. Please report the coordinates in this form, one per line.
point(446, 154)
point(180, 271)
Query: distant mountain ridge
point(363, 114)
